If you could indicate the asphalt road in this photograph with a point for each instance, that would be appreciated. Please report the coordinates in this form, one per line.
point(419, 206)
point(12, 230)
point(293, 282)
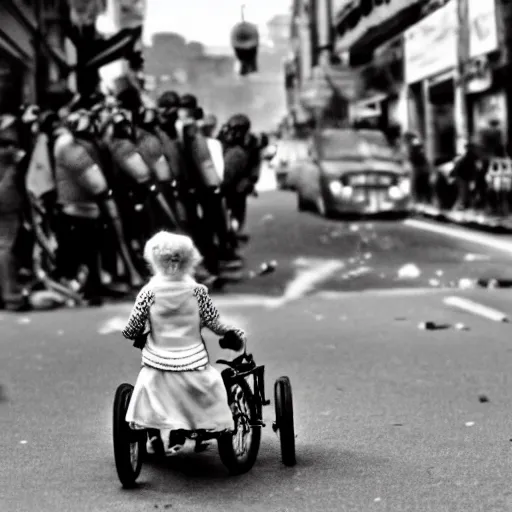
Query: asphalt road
point(389, 417)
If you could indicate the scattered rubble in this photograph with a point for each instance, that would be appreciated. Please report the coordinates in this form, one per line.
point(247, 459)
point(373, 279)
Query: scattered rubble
point(476, 257)
point(409, 271)
point(467, 284)
point(433, 326)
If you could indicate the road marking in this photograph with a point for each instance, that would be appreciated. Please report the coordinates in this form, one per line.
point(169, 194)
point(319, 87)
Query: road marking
point(476, 308)
point(306, 280)
point(462, 234)
point(392, 292)
point(313, 272)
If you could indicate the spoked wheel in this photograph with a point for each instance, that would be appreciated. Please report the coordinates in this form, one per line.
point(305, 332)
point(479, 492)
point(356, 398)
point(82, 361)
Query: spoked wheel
point(129, 445)
point(283, 401)
point(239, 450)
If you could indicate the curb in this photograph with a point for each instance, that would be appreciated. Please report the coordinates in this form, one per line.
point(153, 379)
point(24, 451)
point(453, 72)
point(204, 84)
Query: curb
point(471, 220)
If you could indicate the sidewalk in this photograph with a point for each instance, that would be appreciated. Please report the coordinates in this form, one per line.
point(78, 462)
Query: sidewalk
point(469, 218)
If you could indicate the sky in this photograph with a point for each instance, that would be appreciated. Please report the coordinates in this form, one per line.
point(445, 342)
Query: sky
point(208, 21)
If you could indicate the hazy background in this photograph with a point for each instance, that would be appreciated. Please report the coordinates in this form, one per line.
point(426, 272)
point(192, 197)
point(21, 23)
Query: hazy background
point(187, 49)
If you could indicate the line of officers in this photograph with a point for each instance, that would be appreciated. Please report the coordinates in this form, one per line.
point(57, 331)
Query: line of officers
point(99, 181)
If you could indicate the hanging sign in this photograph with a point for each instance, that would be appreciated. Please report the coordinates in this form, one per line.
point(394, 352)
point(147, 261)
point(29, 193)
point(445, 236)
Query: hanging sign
point(483, 28)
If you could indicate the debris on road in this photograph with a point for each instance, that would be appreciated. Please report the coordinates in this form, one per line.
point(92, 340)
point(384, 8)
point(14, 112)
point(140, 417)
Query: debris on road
point(493, 283)
point(483, 399)
point(469, 423)
point(409, 271)
point(432, 326)
point(476, 257)
point(467, 284)
point(358, 272)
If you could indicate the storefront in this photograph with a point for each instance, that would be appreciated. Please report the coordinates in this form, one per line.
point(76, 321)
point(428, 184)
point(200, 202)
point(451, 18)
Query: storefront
point(380, 91)
point(16, 59)
point(430, 60)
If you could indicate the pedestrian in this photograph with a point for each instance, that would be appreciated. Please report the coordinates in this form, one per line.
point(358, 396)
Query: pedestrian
point(421, 175)
point(466, 172)
point(177, 390)
point(11, 210)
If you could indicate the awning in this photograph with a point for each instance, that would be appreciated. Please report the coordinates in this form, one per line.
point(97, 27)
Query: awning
point(112, 49)
point(375, 29)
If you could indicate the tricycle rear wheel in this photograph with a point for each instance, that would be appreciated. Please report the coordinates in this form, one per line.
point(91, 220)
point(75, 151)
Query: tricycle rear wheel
point(284, 420)
point(129, 444)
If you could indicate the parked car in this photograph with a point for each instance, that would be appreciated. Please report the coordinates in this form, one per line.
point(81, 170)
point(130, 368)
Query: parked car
point(288, 158)
point(353, 171)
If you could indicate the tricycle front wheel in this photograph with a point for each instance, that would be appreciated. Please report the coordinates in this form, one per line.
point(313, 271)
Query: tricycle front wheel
point(239, 450)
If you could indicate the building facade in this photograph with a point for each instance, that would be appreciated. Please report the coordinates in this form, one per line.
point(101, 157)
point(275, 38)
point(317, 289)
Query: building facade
point(33, 55)
point(436, 68)
point(319, 83)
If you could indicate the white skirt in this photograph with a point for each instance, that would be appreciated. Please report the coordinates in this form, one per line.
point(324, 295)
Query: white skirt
point(191, 400)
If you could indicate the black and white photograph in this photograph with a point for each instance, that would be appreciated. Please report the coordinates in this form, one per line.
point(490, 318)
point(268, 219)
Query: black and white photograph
point(255, 255)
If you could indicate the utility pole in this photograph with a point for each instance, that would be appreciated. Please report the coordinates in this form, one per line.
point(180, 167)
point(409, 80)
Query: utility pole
point(461, 110)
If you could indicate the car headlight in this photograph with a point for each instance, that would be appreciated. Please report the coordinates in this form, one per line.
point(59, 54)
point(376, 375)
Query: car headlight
point(336, 187)
point(405, 186)
point(395, 193)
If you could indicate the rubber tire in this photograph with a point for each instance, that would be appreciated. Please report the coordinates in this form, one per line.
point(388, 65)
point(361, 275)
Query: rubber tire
point(322, 208)
point(283, 401)
point(123, 436)
point(225, 442)
point(302, 205)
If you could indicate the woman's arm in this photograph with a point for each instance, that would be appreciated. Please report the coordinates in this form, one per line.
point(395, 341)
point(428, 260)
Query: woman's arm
point(139, 315)
point(210, 317)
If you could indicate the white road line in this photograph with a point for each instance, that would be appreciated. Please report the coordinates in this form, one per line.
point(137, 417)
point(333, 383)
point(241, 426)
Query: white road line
point(306, 281)
point(476, 308)
point(462, 234)
point(393, 292)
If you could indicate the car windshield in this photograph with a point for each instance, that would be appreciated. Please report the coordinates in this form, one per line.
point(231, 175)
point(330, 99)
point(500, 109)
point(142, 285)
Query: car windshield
point(357, 145)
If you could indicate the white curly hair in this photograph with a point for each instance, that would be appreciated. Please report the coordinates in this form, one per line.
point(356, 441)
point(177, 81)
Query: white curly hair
point(171, 255)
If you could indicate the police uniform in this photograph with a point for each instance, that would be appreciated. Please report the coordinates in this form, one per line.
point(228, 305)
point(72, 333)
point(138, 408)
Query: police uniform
point(79, 181)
